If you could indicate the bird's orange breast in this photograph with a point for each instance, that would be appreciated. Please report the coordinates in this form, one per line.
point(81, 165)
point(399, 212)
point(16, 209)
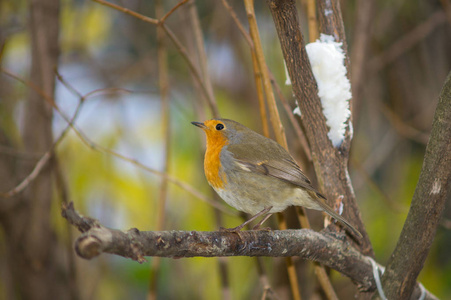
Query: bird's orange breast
point(212, 163)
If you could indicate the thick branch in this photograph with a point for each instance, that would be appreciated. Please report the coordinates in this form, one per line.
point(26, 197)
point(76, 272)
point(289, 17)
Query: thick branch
point(327, 249)
point(427, 206)
point(331, 23)
point(330, 163)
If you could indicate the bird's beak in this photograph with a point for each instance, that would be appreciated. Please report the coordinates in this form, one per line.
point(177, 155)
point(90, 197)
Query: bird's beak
point(199, 124)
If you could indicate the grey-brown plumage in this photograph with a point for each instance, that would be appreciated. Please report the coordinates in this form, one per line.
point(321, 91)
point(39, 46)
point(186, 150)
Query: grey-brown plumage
point(258, 173)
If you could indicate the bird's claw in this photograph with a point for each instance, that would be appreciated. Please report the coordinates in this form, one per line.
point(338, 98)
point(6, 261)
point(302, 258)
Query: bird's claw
point(236, 230)
point(257, 227)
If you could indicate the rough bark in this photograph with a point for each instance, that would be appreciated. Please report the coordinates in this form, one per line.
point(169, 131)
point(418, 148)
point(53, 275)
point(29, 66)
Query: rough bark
point(329, 249)
point(331, 23)
point(331, 164)
point(426, 208)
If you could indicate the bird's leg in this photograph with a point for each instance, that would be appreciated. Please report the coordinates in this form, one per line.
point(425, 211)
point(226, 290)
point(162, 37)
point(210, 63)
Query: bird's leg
point(257, 227)
point(238, 228)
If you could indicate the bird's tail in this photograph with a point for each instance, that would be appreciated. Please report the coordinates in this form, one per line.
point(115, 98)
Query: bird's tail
point(339, 218)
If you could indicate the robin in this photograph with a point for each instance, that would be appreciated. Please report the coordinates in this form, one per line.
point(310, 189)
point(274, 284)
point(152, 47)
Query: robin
point(256, 175)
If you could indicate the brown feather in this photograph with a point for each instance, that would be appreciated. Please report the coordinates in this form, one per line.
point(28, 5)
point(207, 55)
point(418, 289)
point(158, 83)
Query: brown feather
point(286, 169)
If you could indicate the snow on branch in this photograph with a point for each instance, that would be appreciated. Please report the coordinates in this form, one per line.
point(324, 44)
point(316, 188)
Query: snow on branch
point(334, 89)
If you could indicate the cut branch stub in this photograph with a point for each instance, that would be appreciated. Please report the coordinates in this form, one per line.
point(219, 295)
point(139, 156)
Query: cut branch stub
point(329, 249)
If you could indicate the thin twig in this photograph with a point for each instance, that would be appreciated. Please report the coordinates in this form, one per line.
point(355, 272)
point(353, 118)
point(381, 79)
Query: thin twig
point(292, 276)
point(359, 53)
point(211, 102)
point(248, 39)
point(324, 281)
point(180, 48)
point(30, 84)
point(161, 20)
point(395, 206)
point(61, 187)
point(163, 82)
point(260, 95)
point(312, 21)
point(255, 66)
point(36, 171)
point(66, 84)
point(267, 289)
point(279, 131)
point(275, 121)
point(17, 153)
point(407, 41)
point(185, 186)
point(129, 12)
point(190, 189)
point(165, 113)
point(238, 23)
point(295, 124)
point(403, 128)
point(202, 56)
point(297, 128)
point(42, 162)
point(320, 271)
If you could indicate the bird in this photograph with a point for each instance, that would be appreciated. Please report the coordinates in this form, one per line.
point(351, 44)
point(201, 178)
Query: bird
point(255, 175)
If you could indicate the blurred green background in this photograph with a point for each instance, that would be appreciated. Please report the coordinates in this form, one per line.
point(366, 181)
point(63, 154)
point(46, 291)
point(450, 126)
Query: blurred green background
point(103, 48)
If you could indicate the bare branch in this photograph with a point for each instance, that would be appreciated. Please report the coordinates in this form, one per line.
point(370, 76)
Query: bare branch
point(260, 94)
point(403, 128)
point(129, 12)
point(42, 162)
point(428, 203)
point(406, 42)
point(330, 163)
point(329, 249)
point(172, 10)
point(359, 52)
point(259, 88)
point(296, 126)
point(200, 53)
point(163, 83)
point(312, 21)
point(183, 185)
point(180, 48)
point(274, 117)
point(238, 23)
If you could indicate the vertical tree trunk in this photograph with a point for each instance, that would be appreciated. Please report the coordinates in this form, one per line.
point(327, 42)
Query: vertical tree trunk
point(331, 164)
point(32, 247)
point(427, 206)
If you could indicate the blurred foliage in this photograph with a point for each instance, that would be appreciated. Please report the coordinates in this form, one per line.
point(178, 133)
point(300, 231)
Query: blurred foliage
point(102, 48)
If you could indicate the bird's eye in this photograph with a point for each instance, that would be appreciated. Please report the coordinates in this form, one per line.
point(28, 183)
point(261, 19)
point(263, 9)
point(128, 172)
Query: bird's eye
point(219, 127)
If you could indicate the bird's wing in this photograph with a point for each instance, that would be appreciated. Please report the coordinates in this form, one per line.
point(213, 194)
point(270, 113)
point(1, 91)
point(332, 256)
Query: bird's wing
point(258, 160)
point(255, 158)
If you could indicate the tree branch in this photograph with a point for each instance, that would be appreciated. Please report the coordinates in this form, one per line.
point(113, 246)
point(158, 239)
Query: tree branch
point(331, 164)
point(427, 206)
point(178, 45)
point(329, 249)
